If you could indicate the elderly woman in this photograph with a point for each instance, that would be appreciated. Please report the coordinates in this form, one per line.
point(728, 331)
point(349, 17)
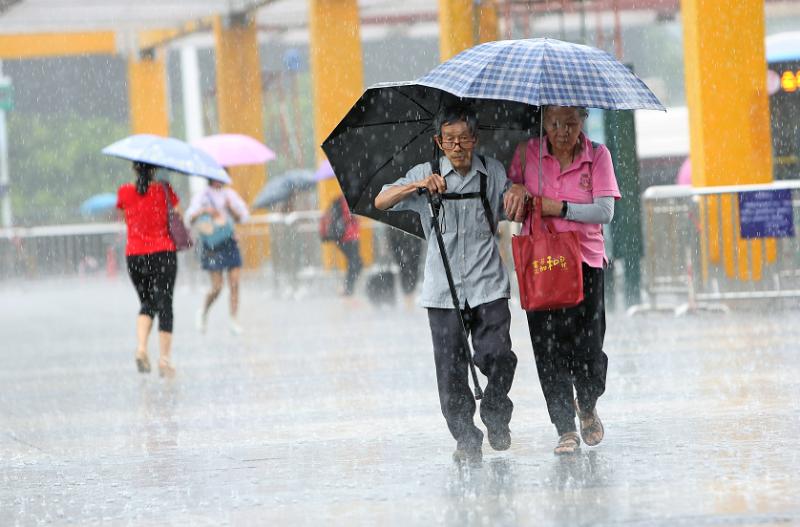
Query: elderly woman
point(578, 193)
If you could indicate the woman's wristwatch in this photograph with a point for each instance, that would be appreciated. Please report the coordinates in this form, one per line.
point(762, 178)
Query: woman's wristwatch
point(564, 207)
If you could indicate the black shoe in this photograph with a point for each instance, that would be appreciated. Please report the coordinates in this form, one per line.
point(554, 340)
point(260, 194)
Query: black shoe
point(499, 438)
point(468, 455)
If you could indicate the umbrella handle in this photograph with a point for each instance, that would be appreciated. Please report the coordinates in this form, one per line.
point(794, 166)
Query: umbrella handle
point(434, 208)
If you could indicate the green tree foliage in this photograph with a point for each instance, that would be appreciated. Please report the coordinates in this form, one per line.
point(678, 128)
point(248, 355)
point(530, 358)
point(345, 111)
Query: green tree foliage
point(289, 121)
point(55, 164)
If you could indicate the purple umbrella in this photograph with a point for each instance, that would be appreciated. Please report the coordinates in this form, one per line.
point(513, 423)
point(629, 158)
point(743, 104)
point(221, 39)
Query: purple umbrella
point(230, 150)
point(684, 174)
point(325, 171)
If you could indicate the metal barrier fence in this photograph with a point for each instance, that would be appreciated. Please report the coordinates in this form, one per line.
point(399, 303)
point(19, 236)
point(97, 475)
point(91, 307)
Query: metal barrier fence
point(295, 262)
point(695, 257)
point(99, 248)
point(59, 250)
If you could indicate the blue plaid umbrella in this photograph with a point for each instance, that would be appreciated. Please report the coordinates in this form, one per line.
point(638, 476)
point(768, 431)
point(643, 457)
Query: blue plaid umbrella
point(542, 71)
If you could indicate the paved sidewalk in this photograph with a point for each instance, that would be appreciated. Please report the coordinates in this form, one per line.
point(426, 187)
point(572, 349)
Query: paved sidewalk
point(325, 413)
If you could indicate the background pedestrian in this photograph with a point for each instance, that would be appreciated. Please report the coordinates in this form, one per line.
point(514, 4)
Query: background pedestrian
point(151, 260)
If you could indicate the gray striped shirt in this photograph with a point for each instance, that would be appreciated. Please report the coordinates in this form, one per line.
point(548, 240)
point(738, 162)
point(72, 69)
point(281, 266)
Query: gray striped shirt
point(474, 255)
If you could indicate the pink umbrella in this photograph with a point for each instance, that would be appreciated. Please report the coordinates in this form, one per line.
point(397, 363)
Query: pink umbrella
point(325, 171)
point(230, 150)
point(684, 174)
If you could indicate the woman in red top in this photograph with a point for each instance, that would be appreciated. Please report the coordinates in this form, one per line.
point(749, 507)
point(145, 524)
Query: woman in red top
point(152, 260)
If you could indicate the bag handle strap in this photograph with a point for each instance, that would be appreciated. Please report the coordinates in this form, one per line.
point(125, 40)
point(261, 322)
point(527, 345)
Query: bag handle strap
point(166, 198)
point(522, 149)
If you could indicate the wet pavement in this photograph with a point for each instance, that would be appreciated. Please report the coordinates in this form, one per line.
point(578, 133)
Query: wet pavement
point(325, 412)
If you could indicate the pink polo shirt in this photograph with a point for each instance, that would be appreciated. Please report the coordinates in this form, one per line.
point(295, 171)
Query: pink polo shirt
point(591, 175)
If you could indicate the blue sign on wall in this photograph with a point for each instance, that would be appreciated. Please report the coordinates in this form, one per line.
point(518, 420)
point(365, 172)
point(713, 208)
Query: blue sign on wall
point(766, 214)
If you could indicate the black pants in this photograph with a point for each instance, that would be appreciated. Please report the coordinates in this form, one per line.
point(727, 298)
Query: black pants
point(354, 264)
point(568, 348)
point(153, 276)
point(489, 326)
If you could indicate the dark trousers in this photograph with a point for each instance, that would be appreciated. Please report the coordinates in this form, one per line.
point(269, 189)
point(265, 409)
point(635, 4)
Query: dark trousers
point(354, 264)
point(568, 348)
point(489, 326)
point(153, 276)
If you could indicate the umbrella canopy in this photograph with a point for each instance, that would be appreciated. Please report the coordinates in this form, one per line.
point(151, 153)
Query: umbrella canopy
point(281, 188)
point(169, 153)
point(684, 176)
point(98, 204)
point(230, 150)
point(543, 71)
point(783, 46)
point(390, 129)
point(325, 171)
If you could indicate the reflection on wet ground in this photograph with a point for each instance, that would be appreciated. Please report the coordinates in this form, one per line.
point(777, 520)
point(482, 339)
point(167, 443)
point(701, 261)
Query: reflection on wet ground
point(326, 412)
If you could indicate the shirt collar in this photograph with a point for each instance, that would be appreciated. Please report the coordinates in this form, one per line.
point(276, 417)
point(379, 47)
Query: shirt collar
point(477, 166)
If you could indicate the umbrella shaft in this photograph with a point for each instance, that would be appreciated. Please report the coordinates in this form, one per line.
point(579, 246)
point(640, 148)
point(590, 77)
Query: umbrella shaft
point(456, 304)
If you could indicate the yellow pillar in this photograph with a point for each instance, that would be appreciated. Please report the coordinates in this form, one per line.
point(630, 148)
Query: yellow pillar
point(456, 27)
point(488, 22)
point(240, 110)
point(147, 95)
point(728, 113)
point(337, 77)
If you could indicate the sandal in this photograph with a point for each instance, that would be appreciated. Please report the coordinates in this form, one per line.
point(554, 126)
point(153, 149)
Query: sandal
point(592, 431)
point(142, 363)
point(166, 370)
point(568, 443)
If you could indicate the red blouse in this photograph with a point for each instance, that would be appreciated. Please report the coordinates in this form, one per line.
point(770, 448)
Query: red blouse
point(146, 217)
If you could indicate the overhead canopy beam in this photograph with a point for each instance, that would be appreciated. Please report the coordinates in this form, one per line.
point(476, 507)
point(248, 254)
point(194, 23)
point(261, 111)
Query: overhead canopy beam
point(156, 38)
point(41, 45)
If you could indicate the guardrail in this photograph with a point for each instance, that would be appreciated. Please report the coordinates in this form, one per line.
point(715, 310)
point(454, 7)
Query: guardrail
point(695, 255)
point(99, 248)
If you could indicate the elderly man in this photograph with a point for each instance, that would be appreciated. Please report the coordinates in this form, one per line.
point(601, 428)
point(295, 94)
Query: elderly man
point(480, 279)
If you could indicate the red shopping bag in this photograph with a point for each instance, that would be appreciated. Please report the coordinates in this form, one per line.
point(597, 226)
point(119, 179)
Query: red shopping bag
point(548, 266)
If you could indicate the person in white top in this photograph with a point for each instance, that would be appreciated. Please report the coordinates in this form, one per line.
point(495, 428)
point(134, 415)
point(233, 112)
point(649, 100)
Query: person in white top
point(214, 212)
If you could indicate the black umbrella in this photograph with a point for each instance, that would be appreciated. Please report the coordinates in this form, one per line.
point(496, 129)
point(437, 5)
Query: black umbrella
point(390, 129)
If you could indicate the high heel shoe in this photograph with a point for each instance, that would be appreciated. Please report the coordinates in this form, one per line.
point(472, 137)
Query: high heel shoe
point(143, 363)
point(166, 370)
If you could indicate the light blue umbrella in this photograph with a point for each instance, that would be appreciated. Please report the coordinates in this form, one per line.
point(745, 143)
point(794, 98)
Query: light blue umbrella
point(98, 204)
point(542, 71)
point(169, 153)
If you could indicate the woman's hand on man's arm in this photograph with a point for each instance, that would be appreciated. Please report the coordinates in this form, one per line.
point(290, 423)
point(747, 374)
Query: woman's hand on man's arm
point(518, 202)
point(515, 202)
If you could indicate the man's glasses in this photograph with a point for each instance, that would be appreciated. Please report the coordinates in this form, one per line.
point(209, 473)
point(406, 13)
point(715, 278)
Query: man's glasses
point(450, 144)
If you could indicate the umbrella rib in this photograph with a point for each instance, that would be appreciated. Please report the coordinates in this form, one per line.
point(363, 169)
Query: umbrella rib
point(404, 148)
point(414, 101)
point(410, 121)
